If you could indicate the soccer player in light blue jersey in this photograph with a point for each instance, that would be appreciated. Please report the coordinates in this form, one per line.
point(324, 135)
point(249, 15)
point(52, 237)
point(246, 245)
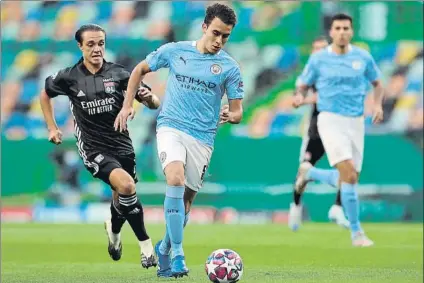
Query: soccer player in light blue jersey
point(312, 150)
point(341, 74)
point(200, 73)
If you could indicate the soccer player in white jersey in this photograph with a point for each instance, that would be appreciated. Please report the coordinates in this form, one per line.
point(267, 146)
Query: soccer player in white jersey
point(200, 73)
point(341, 74)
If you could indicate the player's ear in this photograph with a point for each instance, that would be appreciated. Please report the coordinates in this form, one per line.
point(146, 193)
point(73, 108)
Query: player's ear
point(204, 27)
point(79, 46)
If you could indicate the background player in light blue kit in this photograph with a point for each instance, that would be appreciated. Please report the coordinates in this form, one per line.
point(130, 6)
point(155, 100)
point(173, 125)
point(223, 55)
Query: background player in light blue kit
point(341, 73)
point(200, 73)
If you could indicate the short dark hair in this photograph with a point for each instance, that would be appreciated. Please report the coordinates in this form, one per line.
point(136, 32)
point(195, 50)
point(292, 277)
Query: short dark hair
point(223, 12)
point(341, 17)
point(320, 38)
point(87, 27)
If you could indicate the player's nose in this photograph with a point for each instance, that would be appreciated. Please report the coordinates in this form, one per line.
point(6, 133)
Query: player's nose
point(218, 40)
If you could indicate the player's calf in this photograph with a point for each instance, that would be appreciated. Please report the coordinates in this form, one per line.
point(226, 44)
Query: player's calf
point(113, 228)
point(189, 196)
point(302, 178)
point(163, 250)
point(349, 194)
point(174, 205)
point(132, 210)
point(117, 218)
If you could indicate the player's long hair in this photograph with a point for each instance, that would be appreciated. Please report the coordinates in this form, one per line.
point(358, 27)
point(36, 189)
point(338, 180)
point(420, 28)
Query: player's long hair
point(87, 27)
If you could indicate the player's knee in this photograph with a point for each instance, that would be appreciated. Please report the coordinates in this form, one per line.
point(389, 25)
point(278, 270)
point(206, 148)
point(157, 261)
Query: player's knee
point(347, 172)
point(175, 179)
point(174, 173)
point(127, 187)
point(351, 177)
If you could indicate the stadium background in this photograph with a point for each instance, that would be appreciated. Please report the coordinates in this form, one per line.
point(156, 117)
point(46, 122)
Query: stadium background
point(254, 163)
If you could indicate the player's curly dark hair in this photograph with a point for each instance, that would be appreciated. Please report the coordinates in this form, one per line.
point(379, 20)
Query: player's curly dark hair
point(87, 27)
point(223, 12)
point(341, 17)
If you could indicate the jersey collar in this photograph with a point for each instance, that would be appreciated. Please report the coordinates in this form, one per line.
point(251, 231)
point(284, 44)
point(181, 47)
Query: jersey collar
point(330, 48)
point(85, 71)
point(193, 43)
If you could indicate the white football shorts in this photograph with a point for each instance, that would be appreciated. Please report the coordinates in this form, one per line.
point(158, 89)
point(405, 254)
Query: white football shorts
point(342, 137)
point(175, 145)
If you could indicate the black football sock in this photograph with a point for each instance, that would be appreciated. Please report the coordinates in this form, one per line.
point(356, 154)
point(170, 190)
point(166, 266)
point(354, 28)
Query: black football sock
point(117, 219)
point(296, 197)
point(338, 198)
point(133, 212)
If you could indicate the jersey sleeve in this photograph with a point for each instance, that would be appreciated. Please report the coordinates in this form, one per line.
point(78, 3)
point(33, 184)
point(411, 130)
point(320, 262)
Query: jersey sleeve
point(56, 84)
point(372, 72)
point(310, 72)
point(234, 85)
point(124, 77)
point(160, 57)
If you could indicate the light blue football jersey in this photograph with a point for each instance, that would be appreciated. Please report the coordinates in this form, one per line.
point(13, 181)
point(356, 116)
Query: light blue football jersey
point(195, 87)
point(342, 81)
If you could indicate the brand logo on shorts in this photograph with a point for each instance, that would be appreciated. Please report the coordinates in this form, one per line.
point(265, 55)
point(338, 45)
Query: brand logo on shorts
point(134, 211)
point(216, 69)
point(162, 157)
point(99, 158)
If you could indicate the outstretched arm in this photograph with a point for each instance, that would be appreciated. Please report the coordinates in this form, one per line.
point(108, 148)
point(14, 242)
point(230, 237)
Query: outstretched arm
point(236, 111)
point(311, 99)
point(147, 98)
point(300, 94)
point(378, 97)
point(134, 82)
point(232, 113)
point(55, 135)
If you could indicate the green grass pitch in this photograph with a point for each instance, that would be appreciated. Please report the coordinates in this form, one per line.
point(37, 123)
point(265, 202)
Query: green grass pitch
point(271, 253)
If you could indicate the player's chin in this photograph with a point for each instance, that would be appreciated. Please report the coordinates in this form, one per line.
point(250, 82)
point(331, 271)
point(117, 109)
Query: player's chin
point(97, 59)
point(343, 42)
point(214, 50)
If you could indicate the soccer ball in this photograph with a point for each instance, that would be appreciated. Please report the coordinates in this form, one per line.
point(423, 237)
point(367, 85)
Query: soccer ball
point(224, 266)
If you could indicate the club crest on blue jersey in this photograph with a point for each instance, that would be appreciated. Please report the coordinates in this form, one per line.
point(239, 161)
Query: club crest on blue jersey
point(216, 69)
point(357, 64)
